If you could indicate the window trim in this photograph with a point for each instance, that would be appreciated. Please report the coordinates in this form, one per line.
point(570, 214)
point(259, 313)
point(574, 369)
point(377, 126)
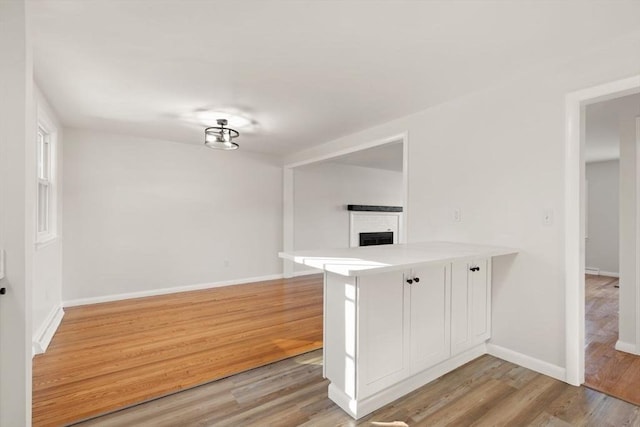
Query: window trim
point(47, 126)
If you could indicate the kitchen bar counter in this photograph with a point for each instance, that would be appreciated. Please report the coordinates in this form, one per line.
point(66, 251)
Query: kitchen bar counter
point(399, 316)
point(379, 259)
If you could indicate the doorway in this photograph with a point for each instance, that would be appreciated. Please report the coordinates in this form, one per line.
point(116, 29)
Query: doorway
point(610, 198)
point(575, 219)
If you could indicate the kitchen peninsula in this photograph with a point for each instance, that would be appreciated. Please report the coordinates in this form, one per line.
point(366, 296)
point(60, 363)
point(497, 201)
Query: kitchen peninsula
point(399, 316)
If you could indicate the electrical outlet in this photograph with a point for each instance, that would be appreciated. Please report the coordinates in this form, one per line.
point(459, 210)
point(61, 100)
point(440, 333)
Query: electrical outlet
point(457, 215)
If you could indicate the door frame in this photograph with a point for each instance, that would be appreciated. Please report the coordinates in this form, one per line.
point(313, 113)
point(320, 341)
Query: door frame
point(288, 189)
point(637, 349)
point(575, 104)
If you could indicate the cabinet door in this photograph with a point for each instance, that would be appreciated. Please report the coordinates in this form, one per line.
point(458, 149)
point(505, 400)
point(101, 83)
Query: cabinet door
point(480, 289)
point(430, 324)
point(470, 304)
point(459, 306)
point(383, 327)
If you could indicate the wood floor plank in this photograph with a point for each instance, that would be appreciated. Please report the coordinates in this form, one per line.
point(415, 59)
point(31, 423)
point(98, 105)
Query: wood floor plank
point(575, 405)
point(546, 420)
point(523, 402)
point(469, 406)
point(461, 382)
point(295, 394)
point(606, 369)
point(108, 356)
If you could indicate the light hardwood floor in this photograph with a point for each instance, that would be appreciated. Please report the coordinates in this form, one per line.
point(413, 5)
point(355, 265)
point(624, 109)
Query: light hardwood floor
point(484, 392)
point(607, 370)
point(108, 356)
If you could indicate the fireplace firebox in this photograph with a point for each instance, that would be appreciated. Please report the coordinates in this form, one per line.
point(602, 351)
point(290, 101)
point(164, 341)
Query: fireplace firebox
point(379, 238)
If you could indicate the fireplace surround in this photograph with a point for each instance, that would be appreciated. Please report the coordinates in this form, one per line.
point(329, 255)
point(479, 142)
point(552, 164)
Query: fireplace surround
point(374, 225)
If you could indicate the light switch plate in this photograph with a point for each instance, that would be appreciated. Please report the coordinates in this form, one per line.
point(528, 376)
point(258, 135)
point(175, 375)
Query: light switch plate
point(547, 217)
point(457, 215)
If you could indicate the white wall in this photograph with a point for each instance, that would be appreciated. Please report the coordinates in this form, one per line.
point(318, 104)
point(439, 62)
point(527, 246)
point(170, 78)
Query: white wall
point(322, 192)
point(603, 216)
point(143, 215)
point(17, 189)
point(498, 155)
point(47, 259)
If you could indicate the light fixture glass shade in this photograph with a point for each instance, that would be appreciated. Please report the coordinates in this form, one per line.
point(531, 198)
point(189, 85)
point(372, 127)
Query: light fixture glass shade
point(220, 137)
point(218, 145)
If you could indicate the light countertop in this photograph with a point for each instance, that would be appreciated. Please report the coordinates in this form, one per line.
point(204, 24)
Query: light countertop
point(383, 258)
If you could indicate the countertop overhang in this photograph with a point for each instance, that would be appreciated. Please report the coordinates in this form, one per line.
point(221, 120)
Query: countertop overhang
point(379, 259)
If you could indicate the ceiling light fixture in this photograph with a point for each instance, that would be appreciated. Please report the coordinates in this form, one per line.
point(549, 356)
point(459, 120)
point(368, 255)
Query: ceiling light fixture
point(221, 137)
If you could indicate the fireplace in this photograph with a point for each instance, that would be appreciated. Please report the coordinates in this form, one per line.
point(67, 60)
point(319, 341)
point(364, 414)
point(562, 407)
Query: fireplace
point(374, 225)
point(377, 238)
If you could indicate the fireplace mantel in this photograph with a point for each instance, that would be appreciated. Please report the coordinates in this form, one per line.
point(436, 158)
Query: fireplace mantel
point(374, 208)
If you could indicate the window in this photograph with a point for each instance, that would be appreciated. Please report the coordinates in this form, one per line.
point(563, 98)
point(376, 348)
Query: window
point(45, 193)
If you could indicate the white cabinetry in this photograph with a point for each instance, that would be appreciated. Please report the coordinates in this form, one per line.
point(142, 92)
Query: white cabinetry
point(430, 319)
point(399, 316)
point(388, 333)
point(383, 334)
point(470, 304)
point(403, 320)
point(388, 327)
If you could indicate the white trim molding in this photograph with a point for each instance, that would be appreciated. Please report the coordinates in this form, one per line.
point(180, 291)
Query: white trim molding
point(166, 291)
point(362, 407)
point(597, 272)
point(545, 368)
point(637, 347)
point(43, 337)
point(609, 273)
point(626, 347)
point(48, 241)
point(288, 218)
point(47, 125)
point(574, 218)
point(307, 272)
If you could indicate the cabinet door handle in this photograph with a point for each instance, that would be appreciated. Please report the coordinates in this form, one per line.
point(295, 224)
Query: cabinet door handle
point(409, 281)
point(475, 269)
point(416, 279)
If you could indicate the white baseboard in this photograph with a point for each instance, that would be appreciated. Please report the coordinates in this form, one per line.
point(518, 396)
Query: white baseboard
point(358, 408)
point(528, 362)
point(609, 273)
point(597, 272)
point(626, 347)
point(165, 291)
point(43, 336)
point(307, 272)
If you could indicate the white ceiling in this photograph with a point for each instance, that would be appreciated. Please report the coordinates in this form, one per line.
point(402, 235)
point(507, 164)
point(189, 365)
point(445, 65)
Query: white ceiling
point(602, 126)
point(305, 71)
